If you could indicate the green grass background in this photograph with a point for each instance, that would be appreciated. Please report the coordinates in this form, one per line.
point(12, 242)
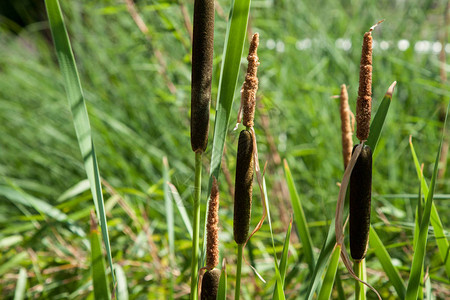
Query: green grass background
point(136, 121)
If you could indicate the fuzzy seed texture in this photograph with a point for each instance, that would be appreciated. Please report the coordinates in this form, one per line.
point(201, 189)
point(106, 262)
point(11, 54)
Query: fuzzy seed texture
point(210, 285)
point(212, 229)
point(250, 86)
point(243, 187)
point(360, 198)
point(202, 58)
point(364, 100)
point(346, 129)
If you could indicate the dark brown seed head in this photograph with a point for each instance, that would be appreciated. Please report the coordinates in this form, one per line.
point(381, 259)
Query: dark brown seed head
point(346, 128)
point(360, 198)
point(212, 228)
point(210, 284)
point(250, 84)
point(202, 57)
point(364, 101)
point(243, 187)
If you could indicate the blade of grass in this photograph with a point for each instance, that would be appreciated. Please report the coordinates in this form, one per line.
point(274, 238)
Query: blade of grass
point(414, 283)
point(170, 222)
point(378, 121)
point(80, 116)
point(21, 285)
point(330, 275)
point(300, 219)
point(386, 262)
point(222, 290)
point(99, 279)
point(283, 261)
point(122, 287)
point(441, 239)
point(181, 209)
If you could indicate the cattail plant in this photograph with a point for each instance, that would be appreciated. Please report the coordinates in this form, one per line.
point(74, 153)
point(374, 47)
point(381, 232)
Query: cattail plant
point(361, 177)
point(210, 280)
point(245, 156)
point(202, 57)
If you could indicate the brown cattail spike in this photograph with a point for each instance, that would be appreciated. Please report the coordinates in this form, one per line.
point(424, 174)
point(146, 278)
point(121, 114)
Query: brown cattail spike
point(364, 100)
point(210, 285)
point(243, 187)
point(212, 228)
point(202, 58)
point(250, 86)
point(360, 198)
point(347, 142)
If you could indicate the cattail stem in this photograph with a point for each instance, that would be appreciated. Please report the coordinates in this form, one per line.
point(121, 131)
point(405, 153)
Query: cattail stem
point(196, 225)
point(360, 270)
point(237, 291)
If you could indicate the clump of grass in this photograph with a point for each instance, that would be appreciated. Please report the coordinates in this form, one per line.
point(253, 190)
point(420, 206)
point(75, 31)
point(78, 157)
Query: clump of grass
point(202, 58)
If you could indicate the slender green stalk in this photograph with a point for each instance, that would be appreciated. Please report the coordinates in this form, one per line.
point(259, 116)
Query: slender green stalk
point(196, 225)
point(359, 267)
point(237, 291)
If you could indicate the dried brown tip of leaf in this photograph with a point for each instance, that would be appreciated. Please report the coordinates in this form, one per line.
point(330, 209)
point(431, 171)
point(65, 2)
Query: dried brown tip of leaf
point(94, 226)
point(347, 142)
point(243, 187)
point(364, 100)
point(202, 58)
point(210, 285)
point(250, 86)
point(212, 228)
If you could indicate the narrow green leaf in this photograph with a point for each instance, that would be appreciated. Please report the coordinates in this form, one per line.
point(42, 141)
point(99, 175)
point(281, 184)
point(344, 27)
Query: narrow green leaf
point(324, 255)
point(283, 261)
point(414, 283)
point(13, 262)
point(181, 209)
point(80, 116)
point(438, 228)
point(234, 45)
point(378, 121)
point(122, 286)
point(98, 269)
point(300, 219)
point(328, 280)
point(386, 262)
point(21, 285)
point(222, 291)
point(279, 282)
point(169, 220)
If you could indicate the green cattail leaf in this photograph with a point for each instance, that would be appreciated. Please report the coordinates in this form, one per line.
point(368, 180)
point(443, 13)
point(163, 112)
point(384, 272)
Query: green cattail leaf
point(438, 228)
point(99, 279)
point(378, 121)
point(328, 280)
point(386, 262)
point(233, 48)
point(300, 219)
point(222, 291)
point(80, 116)
point(21, 285)
point(283, 261)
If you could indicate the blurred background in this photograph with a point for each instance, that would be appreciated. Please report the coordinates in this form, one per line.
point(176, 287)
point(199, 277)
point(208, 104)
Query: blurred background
point(137, 87)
